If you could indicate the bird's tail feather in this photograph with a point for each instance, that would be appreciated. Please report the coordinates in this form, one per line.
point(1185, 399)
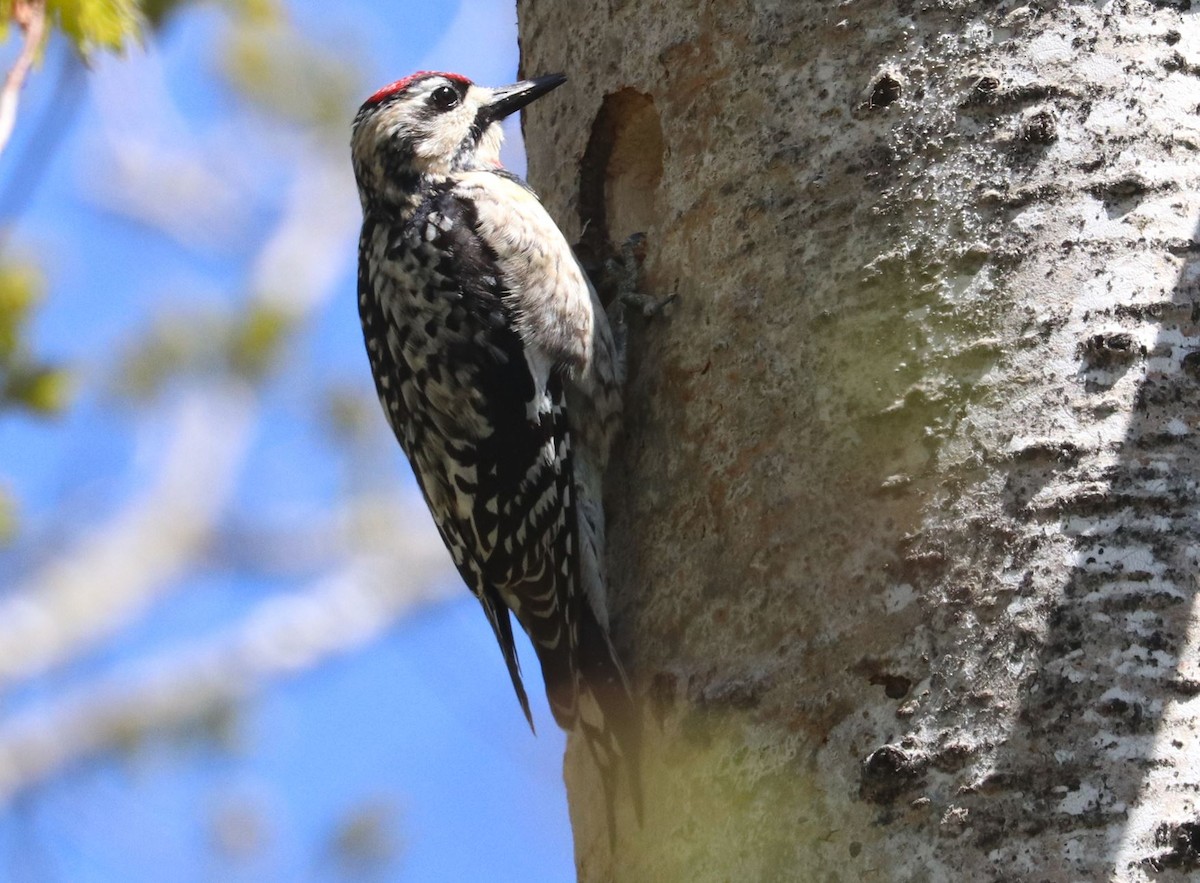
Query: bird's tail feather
point(591, 694)
point(498, 616)
point(604, 682)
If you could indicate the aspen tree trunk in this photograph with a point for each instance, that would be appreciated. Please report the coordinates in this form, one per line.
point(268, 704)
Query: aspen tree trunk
point(903, 531)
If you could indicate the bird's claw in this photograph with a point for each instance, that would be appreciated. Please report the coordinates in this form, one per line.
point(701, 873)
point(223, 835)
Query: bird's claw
point(626, 271)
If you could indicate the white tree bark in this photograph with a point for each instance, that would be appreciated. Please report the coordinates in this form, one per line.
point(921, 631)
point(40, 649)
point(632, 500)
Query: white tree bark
point(903, 538)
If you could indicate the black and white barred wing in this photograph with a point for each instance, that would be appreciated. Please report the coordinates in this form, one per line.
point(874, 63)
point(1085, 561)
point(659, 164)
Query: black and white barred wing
point(487, 440)
point(435, 344)
point(572, 359)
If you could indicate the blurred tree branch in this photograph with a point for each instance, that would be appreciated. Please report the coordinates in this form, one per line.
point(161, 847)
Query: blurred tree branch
point(282, 637)
point(217, 367)
point(89, 592)
point(92, 591)
point(30, 17)
point(40, 148)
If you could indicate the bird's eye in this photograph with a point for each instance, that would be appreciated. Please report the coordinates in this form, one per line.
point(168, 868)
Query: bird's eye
point(444, 98)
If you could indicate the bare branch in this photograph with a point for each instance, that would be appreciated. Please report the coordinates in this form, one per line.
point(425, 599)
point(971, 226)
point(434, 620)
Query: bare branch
point(30, 17)
point(281, 637)
point(90, 592)
point(117, 570)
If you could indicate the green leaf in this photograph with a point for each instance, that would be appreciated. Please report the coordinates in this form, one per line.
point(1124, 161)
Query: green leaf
point(364, 840)
point(157, 11)
point(173, 345)
point(8, 517)
point(285, 74)
point(244, 343)
point(256, 340)
point(42, 389)
point(348, 415)
point(256, 12)
point(97, 24)
point(20, 292)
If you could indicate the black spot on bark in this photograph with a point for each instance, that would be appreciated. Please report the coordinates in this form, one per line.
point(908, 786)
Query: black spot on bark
point(1191, 364)
point(1046, 451)
point(886, 90)
point(985, 88)
point(987, 92)
point(1182, 842)
point(1176, 63)
point(1107, 351)
point(894, 686)
point(887, 773)
point(1040, 128)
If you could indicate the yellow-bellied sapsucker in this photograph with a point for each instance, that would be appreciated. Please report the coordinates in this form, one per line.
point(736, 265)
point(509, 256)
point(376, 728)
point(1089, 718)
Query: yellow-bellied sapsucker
point(497, 369)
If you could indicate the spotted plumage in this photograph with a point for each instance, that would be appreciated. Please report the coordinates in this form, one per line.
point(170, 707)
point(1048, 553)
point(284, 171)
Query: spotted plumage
point(497, 370)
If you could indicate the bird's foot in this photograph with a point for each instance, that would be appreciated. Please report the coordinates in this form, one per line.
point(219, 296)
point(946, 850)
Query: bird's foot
point(625, 271)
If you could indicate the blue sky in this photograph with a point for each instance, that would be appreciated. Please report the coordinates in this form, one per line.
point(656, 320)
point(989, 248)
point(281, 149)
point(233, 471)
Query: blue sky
point(421, 724)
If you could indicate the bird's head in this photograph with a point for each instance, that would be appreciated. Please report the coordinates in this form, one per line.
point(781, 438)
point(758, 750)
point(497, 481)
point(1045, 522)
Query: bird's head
point(429, 125)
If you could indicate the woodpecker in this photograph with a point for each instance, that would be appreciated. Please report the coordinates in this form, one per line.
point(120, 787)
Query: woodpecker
point(497, 369)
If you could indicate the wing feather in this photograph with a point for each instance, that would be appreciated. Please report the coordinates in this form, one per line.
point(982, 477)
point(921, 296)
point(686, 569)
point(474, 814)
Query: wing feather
point(545, 287)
